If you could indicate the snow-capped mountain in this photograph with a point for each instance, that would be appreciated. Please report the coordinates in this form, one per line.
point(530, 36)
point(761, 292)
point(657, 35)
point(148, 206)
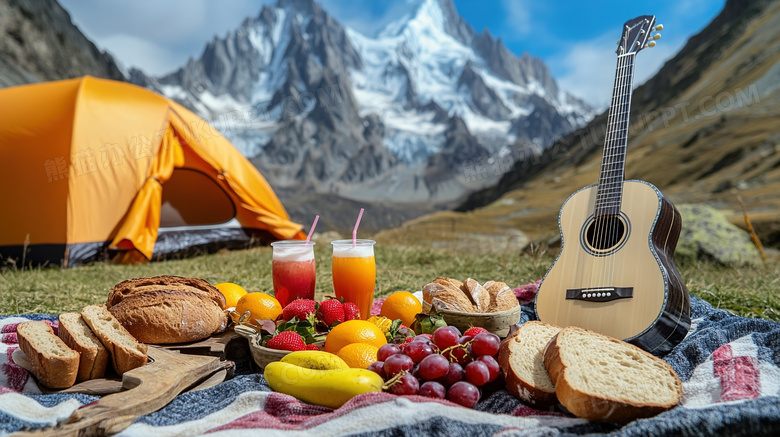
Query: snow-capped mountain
point(389, 116)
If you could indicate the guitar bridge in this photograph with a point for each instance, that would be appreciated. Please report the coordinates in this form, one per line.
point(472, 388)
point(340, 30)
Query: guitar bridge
point(600, 294)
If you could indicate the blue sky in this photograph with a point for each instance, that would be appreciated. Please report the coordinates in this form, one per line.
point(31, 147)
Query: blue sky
point(576, 39)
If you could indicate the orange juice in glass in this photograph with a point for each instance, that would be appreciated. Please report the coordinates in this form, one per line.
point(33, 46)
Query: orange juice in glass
point(354, 273)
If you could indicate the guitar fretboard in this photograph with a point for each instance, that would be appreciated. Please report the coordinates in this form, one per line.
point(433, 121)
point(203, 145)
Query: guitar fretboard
point(610, 188)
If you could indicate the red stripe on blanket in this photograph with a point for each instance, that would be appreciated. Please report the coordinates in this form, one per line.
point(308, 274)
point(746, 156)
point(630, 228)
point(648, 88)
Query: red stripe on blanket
point(11, 327)
point(285, 412)
point(15, 376)
point(524, 410)
point(739, 376)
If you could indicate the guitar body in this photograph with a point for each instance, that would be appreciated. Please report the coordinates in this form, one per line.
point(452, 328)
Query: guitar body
point(617, 275)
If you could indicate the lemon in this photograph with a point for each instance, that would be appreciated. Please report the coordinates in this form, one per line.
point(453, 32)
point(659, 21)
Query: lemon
point(232, 292)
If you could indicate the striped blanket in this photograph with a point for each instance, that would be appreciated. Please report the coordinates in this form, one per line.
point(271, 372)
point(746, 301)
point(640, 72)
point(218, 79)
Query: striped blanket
point(728, 365)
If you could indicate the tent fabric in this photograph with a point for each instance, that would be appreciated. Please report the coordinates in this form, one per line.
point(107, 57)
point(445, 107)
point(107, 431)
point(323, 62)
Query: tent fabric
point(85, 162)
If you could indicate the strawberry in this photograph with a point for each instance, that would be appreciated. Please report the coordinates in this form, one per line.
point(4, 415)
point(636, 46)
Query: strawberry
point(351, 311)
point(299, 308)
point(312, 347)
point(330, 312)
point(287, 341)
point(474, 330)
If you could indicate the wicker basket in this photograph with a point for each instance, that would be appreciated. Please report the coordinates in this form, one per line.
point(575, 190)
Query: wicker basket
point(261, 355)
point(498, 323)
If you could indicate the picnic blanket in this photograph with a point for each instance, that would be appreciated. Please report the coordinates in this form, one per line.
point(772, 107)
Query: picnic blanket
point(728, 365)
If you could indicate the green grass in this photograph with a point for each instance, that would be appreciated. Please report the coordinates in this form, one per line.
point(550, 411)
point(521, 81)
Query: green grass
point(748, 292)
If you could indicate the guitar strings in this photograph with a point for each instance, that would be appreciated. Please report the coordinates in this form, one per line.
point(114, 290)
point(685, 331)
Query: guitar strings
point(602, 193)
point(621, 146)
point(610, 192)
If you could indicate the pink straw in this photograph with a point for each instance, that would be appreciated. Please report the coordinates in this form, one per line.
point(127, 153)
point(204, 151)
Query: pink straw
point(354, 231)
point(311, 230)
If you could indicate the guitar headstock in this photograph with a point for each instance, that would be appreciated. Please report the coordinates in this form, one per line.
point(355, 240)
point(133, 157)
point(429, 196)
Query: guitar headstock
point(636, 35)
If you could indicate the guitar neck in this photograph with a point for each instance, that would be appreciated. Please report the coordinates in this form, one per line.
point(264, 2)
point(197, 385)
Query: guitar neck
point(610, 188)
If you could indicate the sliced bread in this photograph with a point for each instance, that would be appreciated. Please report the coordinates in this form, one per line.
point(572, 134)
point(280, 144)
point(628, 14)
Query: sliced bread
point(521, 357)
point(53, 362)
point(126, 352)
point(603, 379)
point(75, 332)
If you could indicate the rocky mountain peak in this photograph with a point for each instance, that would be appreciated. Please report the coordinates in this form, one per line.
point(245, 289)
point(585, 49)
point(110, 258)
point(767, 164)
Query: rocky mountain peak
point(39, 42)
point(344, 110)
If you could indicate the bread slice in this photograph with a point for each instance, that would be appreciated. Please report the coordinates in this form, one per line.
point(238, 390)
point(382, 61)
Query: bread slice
point(603, 379)
point(53, 362)
point(126, 352)
point(521, 357)
point(75, 332)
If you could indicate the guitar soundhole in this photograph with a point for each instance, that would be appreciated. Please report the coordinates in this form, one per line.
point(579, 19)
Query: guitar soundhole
point(605, 233)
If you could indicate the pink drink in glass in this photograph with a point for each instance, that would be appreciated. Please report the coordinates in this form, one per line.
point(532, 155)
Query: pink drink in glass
point(294, 271)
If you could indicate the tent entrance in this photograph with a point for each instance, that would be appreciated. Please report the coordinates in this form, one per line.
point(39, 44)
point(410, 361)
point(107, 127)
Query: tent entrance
point(191, 198)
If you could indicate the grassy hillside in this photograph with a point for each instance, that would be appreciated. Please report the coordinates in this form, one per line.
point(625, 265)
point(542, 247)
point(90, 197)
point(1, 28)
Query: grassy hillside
point(747, 292)
point(703, 130)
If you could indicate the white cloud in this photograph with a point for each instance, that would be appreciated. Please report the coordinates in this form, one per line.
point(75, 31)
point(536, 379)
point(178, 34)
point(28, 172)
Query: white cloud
point(134, 51)
point(587, 70)
point(168, 32)
point(518, 16)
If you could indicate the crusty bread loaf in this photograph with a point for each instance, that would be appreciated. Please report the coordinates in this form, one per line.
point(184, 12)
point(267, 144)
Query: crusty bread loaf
point(126, 352)
point(163, 283)
point(162, 317)
point(603, 379)
point(502, 297)
point(75, 332)
point(168, 309)
point(53, 362)
point(454, 297)
point(480, 297)
point(521, 357)
point(470, 296)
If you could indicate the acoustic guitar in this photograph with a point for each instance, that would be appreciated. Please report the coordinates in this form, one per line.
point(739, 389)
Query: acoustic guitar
point(615, 273)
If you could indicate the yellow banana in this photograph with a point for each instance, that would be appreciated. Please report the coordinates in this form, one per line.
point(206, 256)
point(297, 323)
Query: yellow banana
point(318, 360)
point(330, 388)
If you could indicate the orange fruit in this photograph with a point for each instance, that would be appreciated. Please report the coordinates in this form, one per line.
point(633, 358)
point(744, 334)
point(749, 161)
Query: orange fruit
point(261, 305)
point(232, 293)
point(354, 331)
point(358, 355)
point(401, 305)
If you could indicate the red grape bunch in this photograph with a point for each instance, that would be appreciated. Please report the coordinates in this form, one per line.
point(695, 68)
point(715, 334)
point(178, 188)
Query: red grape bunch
point(445, 365)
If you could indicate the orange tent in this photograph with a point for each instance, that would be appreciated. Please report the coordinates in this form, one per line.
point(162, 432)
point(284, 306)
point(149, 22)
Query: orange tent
point(91, 164)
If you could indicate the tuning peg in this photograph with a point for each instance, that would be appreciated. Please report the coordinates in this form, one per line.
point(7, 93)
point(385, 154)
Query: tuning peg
point(650, 44)
point(659, 27)
point(618, 42)
point(657, 36)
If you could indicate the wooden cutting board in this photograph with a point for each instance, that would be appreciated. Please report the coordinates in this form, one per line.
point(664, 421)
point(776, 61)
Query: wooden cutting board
point(145, 389)
point(225, 346)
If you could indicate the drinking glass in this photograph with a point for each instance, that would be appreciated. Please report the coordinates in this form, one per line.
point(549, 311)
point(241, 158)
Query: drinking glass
point(293, 270)
point(354, 273)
